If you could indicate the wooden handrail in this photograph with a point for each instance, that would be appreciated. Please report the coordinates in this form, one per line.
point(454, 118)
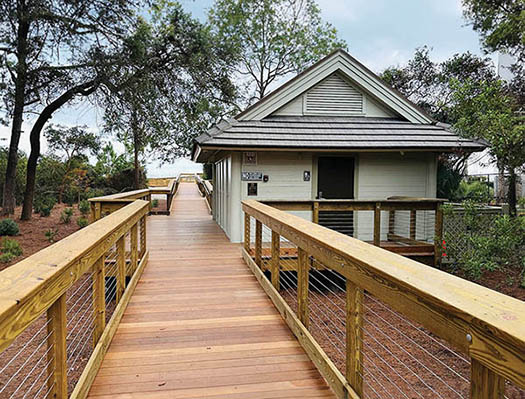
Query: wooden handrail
point(487, 326)
point(206, 190)
point(38, 284)
point(107, 204)
point(390, 205)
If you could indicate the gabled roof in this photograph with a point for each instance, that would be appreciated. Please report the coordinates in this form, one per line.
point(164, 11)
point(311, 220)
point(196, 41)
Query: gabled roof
point(342, 62)
point(308, 133)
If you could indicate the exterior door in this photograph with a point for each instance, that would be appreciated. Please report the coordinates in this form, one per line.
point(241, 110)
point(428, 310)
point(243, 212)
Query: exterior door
point(335, 178)
point(336, 181)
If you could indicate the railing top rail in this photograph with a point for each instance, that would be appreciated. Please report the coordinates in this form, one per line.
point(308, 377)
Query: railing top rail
point(30, 286)
point(371, 201)
point(487, 325)
point(137, 193)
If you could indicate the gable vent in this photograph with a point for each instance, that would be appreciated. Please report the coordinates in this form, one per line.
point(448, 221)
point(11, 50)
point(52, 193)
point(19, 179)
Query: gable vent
point(334, 96)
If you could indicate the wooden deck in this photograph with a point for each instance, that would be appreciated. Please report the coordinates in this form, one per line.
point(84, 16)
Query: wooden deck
point(199, 325)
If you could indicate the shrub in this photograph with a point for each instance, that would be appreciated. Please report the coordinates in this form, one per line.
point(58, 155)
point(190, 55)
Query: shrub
point(84, 207)
point(44, 205)
point(8, 227)
point(82, 222)
point(10, 250)
point(65, 216)
point(51, 235)
point(155, 203)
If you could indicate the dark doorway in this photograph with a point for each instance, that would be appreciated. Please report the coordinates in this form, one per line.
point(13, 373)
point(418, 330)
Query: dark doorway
point(336, 181)
point(335, 178)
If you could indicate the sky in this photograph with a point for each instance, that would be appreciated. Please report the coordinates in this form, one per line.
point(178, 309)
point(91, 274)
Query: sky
point(379, 33)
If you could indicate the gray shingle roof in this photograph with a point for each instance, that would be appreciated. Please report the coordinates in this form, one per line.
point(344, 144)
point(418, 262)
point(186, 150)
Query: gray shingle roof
point(334, 133)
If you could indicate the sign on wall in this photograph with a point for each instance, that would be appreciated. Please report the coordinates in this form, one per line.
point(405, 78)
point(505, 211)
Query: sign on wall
point(249, 158)
point(251, 176)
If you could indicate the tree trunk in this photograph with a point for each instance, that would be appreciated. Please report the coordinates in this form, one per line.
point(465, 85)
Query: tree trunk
point(46, 114)
point(8, 202)
point(511, 193)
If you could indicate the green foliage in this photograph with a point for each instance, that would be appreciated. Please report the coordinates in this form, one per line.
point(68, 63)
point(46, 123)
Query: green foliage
point(272, 38)
point(155, 203)
point(448, 180)
point(521, 202)
point(51, 235)
point(10, 249)
point(65, 216)
point(474, 190)
point(44, 205)
point(8, 227)
point(82, 222)
point(84, 207)
point(483, 245)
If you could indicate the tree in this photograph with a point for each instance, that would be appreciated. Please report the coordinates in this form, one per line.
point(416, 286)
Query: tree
point(483, 110)
point(71, 143)
point(176, 84)
point(272, 38)
point(50, 52)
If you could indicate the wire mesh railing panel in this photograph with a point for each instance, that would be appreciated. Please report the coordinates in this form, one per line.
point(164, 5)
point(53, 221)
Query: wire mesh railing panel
point(110, 283)
point(80, 326)
point(26, 365)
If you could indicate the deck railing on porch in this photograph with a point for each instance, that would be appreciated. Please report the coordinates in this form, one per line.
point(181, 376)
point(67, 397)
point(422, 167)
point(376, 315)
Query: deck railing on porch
point(406, 225)
point(60, 307)
point(206, 189)
point(101, 206)
point(379, 325)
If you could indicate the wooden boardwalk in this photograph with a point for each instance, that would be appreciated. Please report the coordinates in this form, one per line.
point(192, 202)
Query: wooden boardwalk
point(199, 325)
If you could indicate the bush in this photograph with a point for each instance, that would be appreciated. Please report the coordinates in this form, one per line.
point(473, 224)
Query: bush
point(44, 205)
point(10, 250)
point(84, 207)
point(65, 216)
point(51, 234)
point(482, 245)
point(8, 227)
point(82, 222)
point(155, 203)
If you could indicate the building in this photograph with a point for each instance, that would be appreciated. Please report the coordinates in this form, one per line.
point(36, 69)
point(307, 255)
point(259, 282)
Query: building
point(335, 131)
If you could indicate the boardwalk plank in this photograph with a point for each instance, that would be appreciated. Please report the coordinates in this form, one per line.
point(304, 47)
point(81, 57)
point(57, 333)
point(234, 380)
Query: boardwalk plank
point(199, 325)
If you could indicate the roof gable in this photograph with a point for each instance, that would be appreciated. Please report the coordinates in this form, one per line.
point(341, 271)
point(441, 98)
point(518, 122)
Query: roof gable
point(325, 79)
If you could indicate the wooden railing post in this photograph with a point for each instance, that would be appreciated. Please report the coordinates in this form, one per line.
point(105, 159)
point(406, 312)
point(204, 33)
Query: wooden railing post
point(247, 237)
point(258, 243)
point(276, 258)
point(484, 383)
point(377, 224)
point(57, 356)
point(121, 267)
point(143, 236)
point(354, 336)
point(99, 299)
point(315, 215)
point(412, 233)
point(438, 235)
point(391, 221)
point(134, 248)
point(302, 287)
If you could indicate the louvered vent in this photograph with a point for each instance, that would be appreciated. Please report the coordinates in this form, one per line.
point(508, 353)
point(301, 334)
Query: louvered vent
point(334, 96)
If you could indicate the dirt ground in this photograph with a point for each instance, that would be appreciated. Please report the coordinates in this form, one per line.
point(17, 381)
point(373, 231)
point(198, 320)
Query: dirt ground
point(32, 232)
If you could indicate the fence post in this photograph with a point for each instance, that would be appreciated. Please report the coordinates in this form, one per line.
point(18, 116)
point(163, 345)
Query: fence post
point(412, 224)
point(57, 357)
point(258, 243)
point(99, 299)
point(377, 224)
point(484, 383)
point(302, 287)
point(315, 215)
point(438, 235)
point(354, 336)
point(247, 237)
point(134, 248)
point(121, 267)
point(276, 257)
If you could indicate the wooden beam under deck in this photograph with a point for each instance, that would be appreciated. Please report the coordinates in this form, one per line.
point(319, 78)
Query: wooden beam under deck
point(199, 325)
